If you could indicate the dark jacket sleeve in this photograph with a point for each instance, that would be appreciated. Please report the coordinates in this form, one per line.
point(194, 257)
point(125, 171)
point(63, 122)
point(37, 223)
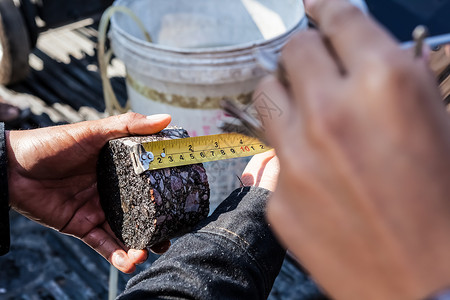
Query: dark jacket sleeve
point(4, 204)
point(231, 255)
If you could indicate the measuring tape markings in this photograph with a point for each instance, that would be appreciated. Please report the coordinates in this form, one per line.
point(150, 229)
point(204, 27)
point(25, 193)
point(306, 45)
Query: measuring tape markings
point(193, 150)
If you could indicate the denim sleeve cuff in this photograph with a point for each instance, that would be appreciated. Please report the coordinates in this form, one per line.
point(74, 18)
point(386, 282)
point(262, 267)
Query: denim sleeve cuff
point(4, 203)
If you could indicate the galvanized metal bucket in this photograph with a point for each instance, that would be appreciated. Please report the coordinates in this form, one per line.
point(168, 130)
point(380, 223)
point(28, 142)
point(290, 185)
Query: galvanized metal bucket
point(202, 51)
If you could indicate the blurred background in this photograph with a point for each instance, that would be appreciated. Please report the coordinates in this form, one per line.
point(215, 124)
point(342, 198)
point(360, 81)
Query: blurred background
point(49, 75)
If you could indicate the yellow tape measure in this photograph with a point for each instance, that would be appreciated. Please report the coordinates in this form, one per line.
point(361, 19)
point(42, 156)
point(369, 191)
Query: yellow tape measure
point(194, 150)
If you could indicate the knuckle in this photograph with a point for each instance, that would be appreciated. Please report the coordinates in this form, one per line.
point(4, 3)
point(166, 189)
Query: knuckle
point(93, 238)
point(400, 72)
point(128, 117)
point(341, 17)
point(127, 120)
point(94, 219)
point(388, 71)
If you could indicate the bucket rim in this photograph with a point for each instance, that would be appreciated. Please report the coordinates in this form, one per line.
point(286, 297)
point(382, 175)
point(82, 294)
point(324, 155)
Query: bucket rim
point(206, 50)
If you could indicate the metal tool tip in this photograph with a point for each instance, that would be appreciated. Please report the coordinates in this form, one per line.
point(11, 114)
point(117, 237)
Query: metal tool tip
point(420, 32)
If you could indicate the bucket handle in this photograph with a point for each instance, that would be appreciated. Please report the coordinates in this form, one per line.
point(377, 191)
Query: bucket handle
point(104, 57)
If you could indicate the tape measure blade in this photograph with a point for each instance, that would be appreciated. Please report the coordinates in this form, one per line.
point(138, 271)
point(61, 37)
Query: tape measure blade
point(194, 150)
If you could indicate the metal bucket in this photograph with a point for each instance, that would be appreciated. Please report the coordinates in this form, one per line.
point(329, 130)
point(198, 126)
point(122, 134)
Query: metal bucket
point(202, 51)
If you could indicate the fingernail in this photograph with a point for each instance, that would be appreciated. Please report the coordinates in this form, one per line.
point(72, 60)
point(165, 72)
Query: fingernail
point(158, 117)
point(161, 248)
point(119, 259)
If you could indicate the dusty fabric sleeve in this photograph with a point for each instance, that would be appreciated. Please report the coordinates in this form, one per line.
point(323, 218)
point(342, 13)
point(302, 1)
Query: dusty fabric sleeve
point(4, 204)
point(231, 255)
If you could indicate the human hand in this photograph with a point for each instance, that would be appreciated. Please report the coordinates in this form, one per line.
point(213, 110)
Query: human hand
point(363, 193)
point(52, 180)
point(262, 171)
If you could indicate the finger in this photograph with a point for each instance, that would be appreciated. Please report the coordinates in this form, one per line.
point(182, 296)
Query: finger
point(269, 176)
point(105, 226)
point(106, 245)
point(134, 124)
point(122, 261)
point(137, 257)
point(310, 67)
point(86, 213)
point(161, 248)
point(258, 160)
point(353, 35)
point(254, 170)
point(272, 105)
point(308, 61)
point(91, 136)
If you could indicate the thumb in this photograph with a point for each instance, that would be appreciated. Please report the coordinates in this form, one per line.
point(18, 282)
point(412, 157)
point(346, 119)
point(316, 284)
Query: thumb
point(132, 124)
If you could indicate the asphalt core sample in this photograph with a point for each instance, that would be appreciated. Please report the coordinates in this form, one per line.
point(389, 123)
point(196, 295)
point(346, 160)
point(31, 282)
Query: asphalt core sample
point(155, 206)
